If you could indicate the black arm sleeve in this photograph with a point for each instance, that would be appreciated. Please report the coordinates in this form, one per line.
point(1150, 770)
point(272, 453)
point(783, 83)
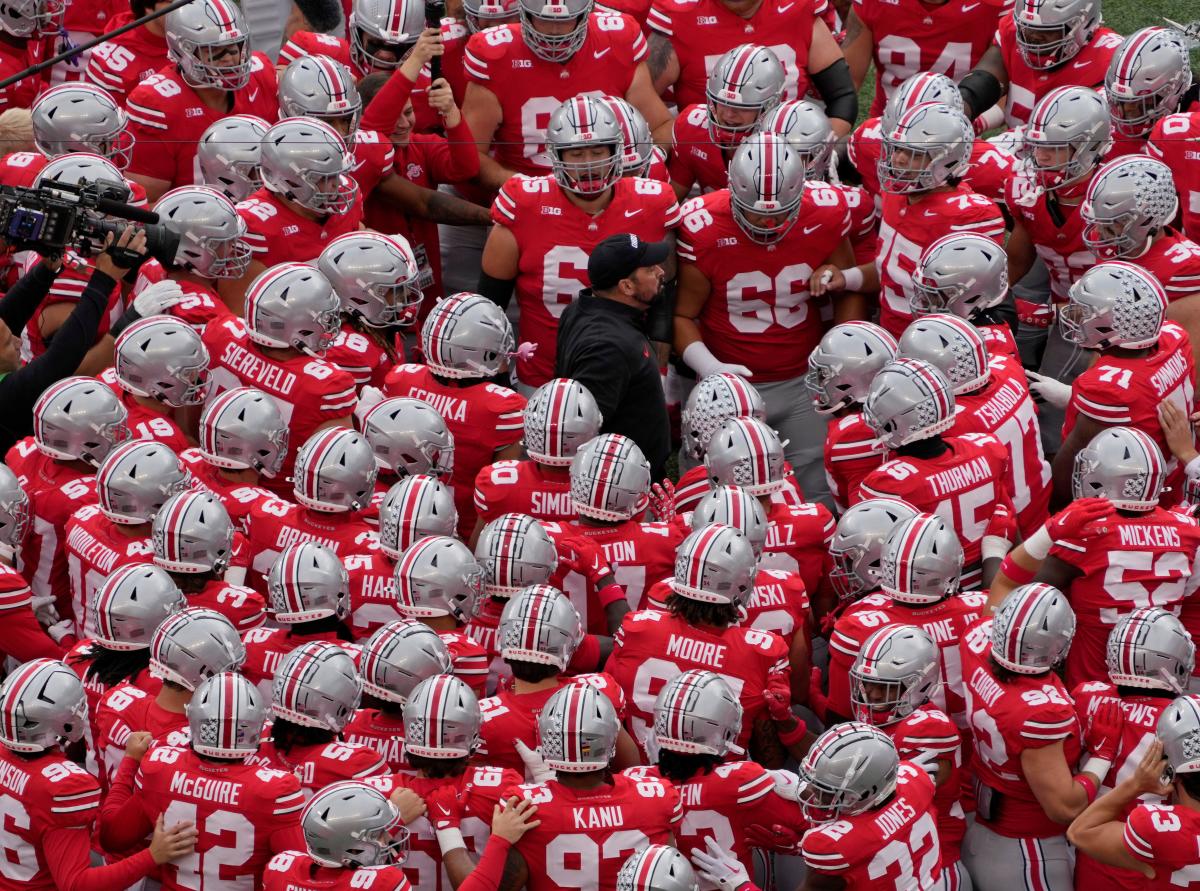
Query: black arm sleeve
point(497, 290)
point(980, 91)
point(660, 319)
point(22, 300)
point(837, 89)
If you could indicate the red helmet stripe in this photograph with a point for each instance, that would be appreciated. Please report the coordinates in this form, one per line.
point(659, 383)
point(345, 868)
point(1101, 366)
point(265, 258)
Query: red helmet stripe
point(11, 714)
point(1016, 628)
point(560, 392)
point(768, 186)
point(435, 705)
point(698, 558)
point(739, 69)
point(337, 89)
point(535, 605)
point(1131, 51)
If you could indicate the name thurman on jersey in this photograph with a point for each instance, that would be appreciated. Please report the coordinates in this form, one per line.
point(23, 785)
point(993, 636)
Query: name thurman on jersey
point(958, 478)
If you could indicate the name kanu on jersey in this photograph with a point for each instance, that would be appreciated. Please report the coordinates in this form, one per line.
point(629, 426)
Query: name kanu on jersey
point(612, 817)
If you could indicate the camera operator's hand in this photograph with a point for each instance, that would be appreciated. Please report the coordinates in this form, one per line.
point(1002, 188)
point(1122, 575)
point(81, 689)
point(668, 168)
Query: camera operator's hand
point(132, 240)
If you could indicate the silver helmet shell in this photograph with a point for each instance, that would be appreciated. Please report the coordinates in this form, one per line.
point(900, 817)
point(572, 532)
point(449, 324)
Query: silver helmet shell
point(415, 507)
point(560, 417)
point(850, 769)
point(378, 26)
point(951, 345)
point(228, 155)
point(409, 437)
point(225, 717)
point(79, 419)
point(136, 479)
point(211, 233)
point(845, 362)
point(1149, 648)
point(1052, 32)
point(1032, 629)
point(321, 88)
point(466, 336)
point(195, 30)
point(194, 644)
point(1128, 201)
point(317, 685)
point(858, 541)
point(1146, 79)
point(540, 624)
point(438, 576)
point(921, 562)
point(585, 122)
point(162, 358)
point(578, 729)
point(909, 400)
point(42, 704)
point(745, 452)
point(1179, 729)
point(929, 145)
point(130, 605)
point(657, 868)
point(714, 400)
point(1113, 304)
point(804, 126)
point(737, 508)
point(81, 117)
point(962, 274)
point(895, 673)
point(1122, 464)
point(746, 78)
point(335, 471)
point(716, 564)
point(399, 656)
point(292, 306)
point(352, 826)
point(558, 47)
point(441, 719)
point(14, 512)
point(1067, 136)
point(922, 87)
point(696, 713)
point(375, 276)
point(610, 478)
point(306, 161)
point(243, 429)
point(515, 551)
point(307, 582)
point(192, 533)
point(637, 145)
point(766, 186)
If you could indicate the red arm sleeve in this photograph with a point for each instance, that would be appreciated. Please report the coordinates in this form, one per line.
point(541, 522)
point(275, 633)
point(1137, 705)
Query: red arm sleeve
point(463, 158)
point(24, 637)
point(288, 838)
point(68, 853)
point(490, 869)
point(387, 106)
point(587, 656)
point(123, 823)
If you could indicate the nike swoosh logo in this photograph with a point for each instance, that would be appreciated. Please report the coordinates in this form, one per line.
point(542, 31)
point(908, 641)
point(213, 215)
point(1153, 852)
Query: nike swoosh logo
point(969, 8)
point(600, 54)
point(252, 95)
point(633, 213)
point(784, 9)
point(809, 230)
point(1082, 64)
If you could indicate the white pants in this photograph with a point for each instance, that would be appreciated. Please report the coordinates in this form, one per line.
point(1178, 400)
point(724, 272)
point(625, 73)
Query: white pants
point(790, 412)
point(999, 863)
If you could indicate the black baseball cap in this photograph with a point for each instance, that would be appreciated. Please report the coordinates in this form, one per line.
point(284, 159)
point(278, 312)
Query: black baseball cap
point(619, 256)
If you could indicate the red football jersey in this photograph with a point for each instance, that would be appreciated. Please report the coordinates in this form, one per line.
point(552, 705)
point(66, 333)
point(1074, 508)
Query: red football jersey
point(798, 541)
point(1174, 260)
point(1027, 85)
point(695, 159)
point(127, 709)
point(297, 871)
point(864, 220)
point(236, 497)
point(244, 814)
point(605, 63)
point(24, 637)
point(1057, 239)
point(312, 43)
point(56, 490)
point(1175, 140)
point(964, 486)
point(165, 105)
point(701, 31)
point(1142, 711)
point(523, 487)
point(319, 764)
point(40, 795)
point(123, 62)
point(1164, 838)
point(275, 524)
point(1005, 719)
point(926, 731)
point(555, 238)
point(758, 313)
point(68, 287)
point(372, 592)
point(484, 627)
point(95, 546)
point(483, 418)
point(693, 485)
point(243, 607)
point(361, 356)
point(146, 423)
point(1004, 408)
point(79, 660)
point(909, 36)
point(1140, 560)
point(14, 60)
point(851, 452)
point(278, 234)
point(586, 835)
point(908, 226)
point(266, 649)
point(382, 732)
point(652, 647)
point(469, 660)
point(894, 846)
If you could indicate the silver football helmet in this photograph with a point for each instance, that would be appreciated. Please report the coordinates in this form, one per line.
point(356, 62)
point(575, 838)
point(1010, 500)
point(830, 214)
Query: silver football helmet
point(399, 656)
point(657, 868)
point(483, 14)
point(192, 533)
point(413, 508)
point(243, 429)
point(81, 117)
point(319, 87)
point(585, 122)
point(136, 479)
point(42, 704)
point(714, 400)
point(1113, 304)
point(951, 345)
point(1146, 79)
point(909, 400)
point(80, 168)
point(335, 471)
point(194, 644)
point(79, 419)
point(200, 33)
point(441, 719)
point(292, 306)
point(929, 145)
point(1150, 648)
point(1032, 629)
point(804, 126)
point(228, 155)
point(306, 161)
point(1179, 729)
point(540, 625)
point(383, 31)
point(894, 674)
point(317, 685)
point(1051, 32)
point(438, 576)
point(14, 512)
point(558, 47)
point(306, 582)
point(1067, 136)
point(409, 437)
point(961, 273)
point(610, 478)
point(1128, 201)
point(131, 603)
point(375, 276)
point(515, 551)
point(766, 185)
point(737, 508)
point(637, 146)
point(1121, 464)
point(466, 336)
point(560, 417)
point(850, 769)
point(922, 87)
point(697, 714)
point(747, 78)
point(225, 717)
point(845, 362)
point(211, 233)
point(857, 545)
point(162, 358)
point(921, 562)
point(716, 564)
point(350, 825)
point(745, 452)
point(32, 18)
point(578, 729)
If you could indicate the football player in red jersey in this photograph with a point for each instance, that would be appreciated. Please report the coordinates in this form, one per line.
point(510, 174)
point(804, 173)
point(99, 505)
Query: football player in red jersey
point(925, 156)
point(29, 35)
point(991, 396)
point(43, 705)
point(394, 660)
point(188, 647)
point(640, 157)
point(316, 692)
point(962, 479)
point(350, 832)
point(752, 313)
point(1170, 141)
point(559, 417)
point(124, 61)
point(309, 592)
point(25, 638)
point(856, 550)
point(1150, 662)
point(893, 679)
point(1027, 741)
point(466, 340)
point(591, 817)
point(132, 485)
point(588, 201)
point(841, 368)
point(409, 438)
point(212, 74)
point(539, 635)
point(72, 117)
point(244, 813)
point(1148, 78)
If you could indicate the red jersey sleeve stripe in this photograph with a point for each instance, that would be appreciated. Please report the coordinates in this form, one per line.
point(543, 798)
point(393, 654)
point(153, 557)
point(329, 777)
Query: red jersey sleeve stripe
point(659, 21)
point(1136, 844)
